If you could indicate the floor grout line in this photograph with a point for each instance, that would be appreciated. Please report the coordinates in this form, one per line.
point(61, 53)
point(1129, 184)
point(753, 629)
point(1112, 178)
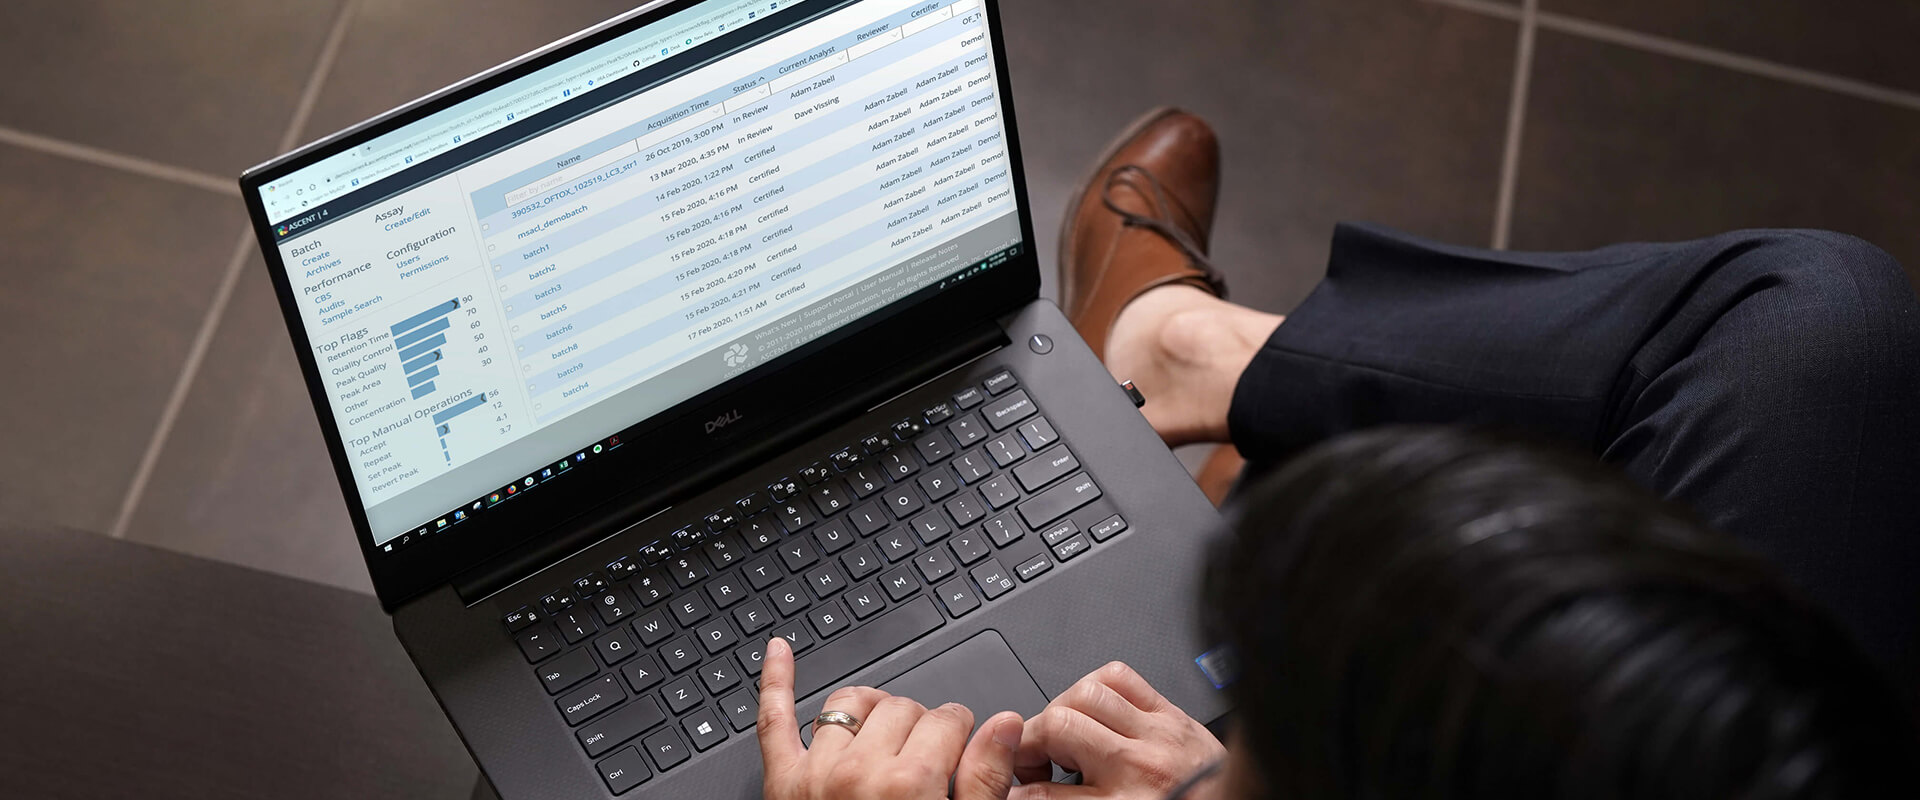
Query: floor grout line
point(229, 281)
point(119, 161)
point(1674, 48)
point(1516, 126)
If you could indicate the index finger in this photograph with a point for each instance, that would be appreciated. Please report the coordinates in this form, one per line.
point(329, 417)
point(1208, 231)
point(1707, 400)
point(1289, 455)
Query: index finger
point(779, 731)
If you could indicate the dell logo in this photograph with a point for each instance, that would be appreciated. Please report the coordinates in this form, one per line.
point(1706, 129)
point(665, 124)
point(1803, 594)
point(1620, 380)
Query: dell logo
point(725, 419)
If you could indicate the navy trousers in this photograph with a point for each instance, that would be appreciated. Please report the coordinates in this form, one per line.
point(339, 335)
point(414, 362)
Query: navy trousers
point(1770, 380)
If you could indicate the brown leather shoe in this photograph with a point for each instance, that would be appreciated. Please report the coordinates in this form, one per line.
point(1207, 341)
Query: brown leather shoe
point(1141, 221)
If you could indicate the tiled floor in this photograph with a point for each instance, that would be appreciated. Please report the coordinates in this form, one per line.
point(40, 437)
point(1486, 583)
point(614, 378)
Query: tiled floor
point(154, 395)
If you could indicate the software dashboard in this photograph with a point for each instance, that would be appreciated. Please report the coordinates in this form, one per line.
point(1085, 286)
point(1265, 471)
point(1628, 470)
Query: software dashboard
point(477, 328)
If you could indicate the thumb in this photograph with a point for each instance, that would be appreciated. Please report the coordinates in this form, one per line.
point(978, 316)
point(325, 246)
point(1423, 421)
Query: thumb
point(986, 768)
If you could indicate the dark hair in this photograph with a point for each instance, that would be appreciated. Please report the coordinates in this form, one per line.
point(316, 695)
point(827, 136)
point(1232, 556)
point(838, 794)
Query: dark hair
point(1431, 613)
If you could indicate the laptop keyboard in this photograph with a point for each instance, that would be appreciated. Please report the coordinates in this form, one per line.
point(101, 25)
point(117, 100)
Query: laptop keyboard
point(652, 658)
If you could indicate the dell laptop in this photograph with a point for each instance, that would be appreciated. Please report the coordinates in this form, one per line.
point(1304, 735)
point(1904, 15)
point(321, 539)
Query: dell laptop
point(718, 322)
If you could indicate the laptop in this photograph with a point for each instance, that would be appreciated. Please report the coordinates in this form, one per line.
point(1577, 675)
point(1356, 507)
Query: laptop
point(716, 322)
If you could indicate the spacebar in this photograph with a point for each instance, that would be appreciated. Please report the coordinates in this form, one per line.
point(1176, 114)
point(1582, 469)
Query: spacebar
point(864, 645)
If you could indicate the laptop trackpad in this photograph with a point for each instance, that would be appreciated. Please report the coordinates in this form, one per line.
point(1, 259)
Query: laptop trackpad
point(981, 673)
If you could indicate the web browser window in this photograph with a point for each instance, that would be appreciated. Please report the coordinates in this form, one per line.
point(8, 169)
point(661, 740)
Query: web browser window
point(476, 328)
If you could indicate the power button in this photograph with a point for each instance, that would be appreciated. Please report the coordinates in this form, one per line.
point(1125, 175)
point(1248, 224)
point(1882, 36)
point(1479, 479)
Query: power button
point(1041, 344)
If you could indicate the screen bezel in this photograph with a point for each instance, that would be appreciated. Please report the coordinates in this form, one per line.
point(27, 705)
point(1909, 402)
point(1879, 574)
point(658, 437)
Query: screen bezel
point(623, 476)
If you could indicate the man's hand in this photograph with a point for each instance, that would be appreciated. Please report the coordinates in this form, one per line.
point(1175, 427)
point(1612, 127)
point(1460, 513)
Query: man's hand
point(902, 752)
point(1126, 741)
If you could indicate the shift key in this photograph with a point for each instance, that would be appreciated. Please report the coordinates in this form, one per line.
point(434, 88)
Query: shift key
point(1059, 501)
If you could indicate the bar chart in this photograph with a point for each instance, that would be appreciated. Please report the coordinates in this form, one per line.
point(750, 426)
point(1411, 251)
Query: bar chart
point(420, 341)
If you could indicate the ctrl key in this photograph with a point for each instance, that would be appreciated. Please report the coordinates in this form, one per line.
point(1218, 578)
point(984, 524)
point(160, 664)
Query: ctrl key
point(625, 770)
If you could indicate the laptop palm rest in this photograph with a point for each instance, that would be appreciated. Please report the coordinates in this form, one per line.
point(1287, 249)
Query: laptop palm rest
point(980, 673)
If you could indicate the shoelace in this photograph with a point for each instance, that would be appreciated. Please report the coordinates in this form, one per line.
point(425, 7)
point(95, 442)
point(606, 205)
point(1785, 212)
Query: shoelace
point(1162, 223)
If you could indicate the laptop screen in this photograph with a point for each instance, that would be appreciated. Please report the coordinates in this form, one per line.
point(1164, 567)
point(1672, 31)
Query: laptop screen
point(493, 292)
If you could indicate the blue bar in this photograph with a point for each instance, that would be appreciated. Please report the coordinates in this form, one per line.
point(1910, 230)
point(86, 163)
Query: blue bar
point(442, 430)
point(423, 390)
point(409, 338)
point(420, 362)
point(425, 317)
point(413, 352)
point(472, 403)
point(423, 376)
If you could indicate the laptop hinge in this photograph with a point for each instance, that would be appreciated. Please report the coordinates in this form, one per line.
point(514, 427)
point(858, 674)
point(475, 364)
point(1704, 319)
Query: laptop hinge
point(596, 525)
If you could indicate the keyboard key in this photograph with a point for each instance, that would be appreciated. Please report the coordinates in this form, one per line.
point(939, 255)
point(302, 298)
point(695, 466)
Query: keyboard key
point(655, 554)
point(906, 429)
point(666, 749)
point(760, 533)
point(705, 729)
point(686, 538)
point(727, 590)
point(815, 473)
point(615, 647)
point(865, 481)
point(591, 700)
point(753, 617)
point(751, 655)
point(1108, 528)
point(999, 382)
point(783, 489)
point(653, 627)
point(686, 569)
point(869, 519)
point(716, 636)
point(625, 770)
point(621, 726)
point(763, 572)
point(1006, 411)
point(864, 645)
point(556, 603)
point(864, 601)
point(957, 595)
point(642, 673)
point(993, 579)
point(522, 619)
point(1046, 468)
point(934, 564)
point(796, 635)
point(825, 581)
point(829, 499)
point(834, 537)
point(1072, 547)
point(875, 443)
point(614, 607)
point(575, 625)
point(798, 555)
point(750, 505)
point(966, 430)
point(1059, 533)
point(938, 414)
point(1059, 501)
point(1033, 568)
point(689, 609)
point(860, 562)
point(972, 467)
point(724, 550)
point(933, 447)
point(964, 510)
point(1038, 434)
point(895, 545)
point(682, 694)
point(721, 520)
point(741, 709)
point(1006, 451)
point(568, 670)
point(1003, 530)
point(999, 492)
point(938, 484)
point(969, 397)
point(899, 584)
point(899, 465)
point(680, 655)
point(623, 568)
point(931, 527)
point(653, 586)
point(844, 460)
point(789, 599)
point(970, 547)
point(828, 619)
point(538, 643)
point(793, 516)
point(719, 676)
